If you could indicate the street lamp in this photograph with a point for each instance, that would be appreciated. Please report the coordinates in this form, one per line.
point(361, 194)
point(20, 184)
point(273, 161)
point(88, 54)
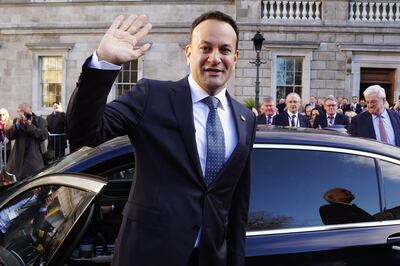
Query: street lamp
point(258, 40)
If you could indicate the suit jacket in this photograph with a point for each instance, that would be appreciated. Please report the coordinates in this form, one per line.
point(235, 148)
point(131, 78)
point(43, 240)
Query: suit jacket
point(348, 108)
point(283, 120)
point(362, 125)
point(337, 213)
point(170, 200)
point(317, 106)
point(321, 120)
point(262, 119)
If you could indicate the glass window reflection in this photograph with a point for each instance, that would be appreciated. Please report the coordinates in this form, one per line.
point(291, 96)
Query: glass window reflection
point(290, 187)
point(391, 186)
point(39, 220)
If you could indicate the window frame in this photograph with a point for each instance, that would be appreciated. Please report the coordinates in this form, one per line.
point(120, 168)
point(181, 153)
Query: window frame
point(47, 50)
point(306, 69)
point(113, 93)
point(375, 157)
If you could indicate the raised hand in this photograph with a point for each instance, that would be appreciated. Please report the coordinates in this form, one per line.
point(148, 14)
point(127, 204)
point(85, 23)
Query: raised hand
point(119, 44)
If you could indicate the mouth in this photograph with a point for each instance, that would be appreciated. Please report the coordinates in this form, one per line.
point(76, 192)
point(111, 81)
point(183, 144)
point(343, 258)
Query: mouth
point(213, 71)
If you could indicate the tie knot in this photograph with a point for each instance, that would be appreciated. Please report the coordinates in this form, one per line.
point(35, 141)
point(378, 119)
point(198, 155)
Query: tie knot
point(331, 117)
point(293, 116)
point(211, 102)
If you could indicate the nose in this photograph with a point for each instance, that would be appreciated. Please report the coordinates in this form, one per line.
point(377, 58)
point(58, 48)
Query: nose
point(214, 57)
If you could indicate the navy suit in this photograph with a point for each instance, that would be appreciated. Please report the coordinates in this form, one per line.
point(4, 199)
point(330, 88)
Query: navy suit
point(262, 119)
point(170, 200)
point(362, 125)
point(321, 120)
point(283, 120)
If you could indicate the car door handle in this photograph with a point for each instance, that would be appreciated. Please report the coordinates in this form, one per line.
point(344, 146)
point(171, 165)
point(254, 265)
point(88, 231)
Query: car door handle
point(393, 240)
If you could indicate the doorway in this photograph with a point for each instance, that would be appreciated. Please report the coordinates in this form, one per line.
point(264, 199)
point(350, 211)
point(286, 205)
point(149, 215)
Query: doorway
point(385, 77)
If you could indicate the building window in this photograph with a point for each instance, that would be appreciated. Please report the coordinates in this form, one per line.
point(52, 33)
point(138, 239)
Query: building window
point(51, 73)
point(127, 78)
point(289, 75)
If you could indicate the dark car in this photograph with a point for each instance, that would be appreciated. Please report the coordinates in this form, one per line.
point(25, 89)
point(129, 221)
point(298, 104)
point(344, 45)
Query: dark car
point(318, 198)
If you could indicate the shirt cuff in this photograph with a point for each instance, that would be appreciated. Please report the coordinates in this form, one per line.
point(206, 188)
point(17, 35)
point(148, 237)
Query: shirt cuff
point(104, 65)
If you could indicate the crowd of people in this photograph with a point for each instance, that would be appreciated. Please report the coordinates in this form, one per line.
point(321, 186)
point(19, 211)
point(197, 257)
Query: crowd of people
point(30, 133)
point(370, 117)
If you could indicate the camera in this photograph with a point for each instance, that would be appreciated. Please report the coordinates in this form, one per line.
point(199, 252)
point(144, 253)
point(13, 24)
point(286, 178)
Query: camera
point(27, 116)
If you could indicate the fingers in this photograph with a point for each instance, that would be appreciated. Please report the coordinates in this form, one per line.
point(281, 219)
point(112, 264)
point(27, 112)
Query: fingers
point(137, 24)
point(117, 22)
point(128, 22)
point(138, 52)
point(141, 33)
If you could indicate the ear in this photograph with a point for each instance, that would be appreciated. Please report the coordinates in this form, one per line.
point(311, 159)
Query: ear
point(188, 53)
point(236, 56)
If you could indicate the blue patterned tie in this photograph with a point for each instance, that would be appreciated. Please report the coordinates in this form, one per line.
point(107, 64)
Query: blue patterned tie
point(215, 141)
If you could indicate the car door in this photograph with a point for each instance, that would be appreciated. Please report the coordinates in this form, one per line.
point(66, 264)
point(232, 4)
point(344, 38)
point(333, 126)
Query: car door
point(38, 215)
point(293, 219)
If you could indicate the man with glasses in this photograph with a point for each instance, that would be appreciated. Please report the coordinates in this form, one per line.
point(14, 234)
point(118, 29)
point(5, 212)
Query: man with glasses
point(331, 117)
point(291, 117)
point(378, 122)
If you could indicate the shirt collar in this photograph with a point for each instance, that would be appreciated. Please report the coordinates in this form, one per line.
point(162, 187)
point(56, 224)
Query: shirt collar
point(334, 115)
point(199, 94)
point(290, 113)
point(384, 114)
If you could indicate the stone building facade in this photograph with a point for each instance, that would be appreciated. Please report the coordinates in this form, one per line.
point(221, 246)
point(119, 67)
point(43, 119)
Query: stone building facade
point(314, 47)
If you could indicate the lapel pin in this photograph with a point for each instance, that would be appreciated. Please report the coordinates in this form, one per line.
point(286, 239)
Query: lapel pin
point(242, 117)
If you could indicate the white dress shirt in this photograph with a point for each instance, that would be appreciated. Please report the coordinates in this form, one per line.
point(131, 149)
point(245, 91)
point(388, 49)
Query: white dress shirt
point(333, 120)
point(296, 119)
point(387, 125)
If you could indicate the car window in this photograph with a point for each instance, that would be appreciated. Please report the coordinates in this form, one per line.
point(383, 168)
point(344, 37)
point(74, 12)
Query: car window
point(38, 220)
point(301, 188)
point(391, 187)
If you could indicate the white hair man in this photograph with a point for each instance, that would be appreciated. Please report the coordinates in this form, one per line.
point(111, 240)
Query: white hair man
point(291, 117)
point(378, 122)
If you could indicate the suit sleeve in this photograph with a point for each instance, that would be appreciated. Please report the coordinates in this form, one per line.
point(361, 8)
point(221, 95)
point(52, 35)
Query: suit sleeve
point(90, 120)
point(238, 215)
point(353, 128)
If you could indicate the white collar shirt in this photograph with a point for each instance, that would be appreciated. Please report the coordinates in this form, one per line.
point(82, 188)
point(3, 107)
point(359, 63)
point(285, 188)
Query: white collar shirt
point(387, 125)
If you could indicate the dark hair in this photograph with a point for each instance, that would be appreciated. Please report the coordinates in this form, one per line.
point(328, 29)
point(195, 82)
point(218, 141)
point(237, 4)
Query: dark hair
point(216, 15)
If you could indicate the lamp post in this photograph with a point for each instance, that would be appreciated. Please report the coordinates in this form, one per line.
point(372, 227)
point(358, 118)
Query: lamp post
point(258, 40)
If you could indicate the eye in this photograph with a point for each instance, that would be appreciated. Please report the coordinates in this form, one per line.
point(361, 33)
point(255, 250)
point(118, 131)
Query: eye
point(205, 49)
point(225, 51)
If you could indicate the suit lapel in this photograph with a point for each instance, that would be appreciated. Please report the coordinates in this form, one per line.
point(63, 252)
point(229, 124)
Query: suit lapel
point(370, 126)
point(181, 99)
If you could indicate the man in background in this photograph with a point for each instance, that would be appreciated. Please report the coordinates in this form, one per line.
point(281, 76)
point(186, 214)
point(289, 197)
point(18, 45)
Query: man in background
point(28, 131)
point(331, 117)
point(377, 122)
point(291, 117)
point(268, 112)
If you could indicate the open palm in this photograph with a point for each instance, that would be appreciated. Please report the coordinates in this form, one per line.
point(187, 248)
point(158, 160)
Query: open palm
point(119, 44)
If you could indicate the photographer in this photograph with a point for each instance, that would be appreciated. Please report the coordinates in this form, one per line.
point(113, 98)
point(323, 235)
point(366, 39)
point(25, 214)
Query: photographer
point(28, 131)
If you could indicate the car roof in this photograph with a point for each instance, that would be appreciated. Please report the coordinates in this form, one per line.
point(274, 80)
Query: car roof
point(324, 138)
point(120, 146)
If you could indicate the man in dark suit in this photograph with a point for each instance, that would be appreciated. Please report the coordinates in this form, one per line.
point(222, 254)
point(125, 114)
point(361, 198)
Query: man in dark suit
point(192, 145)
point(354, 106)
point(313, 104)
point(331, 117)
point(340, 210)
point(291, 117)
point(268, 111)
point(378, 122)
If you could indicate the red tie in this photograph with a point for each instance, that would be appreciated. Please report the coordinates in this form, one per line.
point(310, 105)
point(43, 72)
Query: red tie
point(382, 131)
